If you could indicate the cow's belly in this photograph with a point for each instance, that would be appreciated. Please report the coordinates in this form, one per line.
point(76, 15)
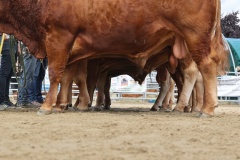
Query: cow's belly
point(132, 47)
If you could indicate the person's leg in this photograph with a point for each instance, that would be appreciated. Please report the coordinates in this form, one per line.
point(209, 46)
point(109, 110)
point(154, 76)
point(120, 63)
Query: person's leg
point(38, 78)
point(2, 87)
point(6, 96)
point(26, 87)
point(5, 75)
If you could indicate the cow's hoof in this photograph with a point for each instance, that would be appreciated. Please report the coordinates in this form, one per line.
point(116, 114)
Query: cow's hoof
point(44, 112)
point(106, 108)
point(96, 108)
point(76, 109)
point(154, 109)
point(205, 115)
point(186, 109)
point(57, 110)
point(195, 110)
point(177, 111)
point(163, 109)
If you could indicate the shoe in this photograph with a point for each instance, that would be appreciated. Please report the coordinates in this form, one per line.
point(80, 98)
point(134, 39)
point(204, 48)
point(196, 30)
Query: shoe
point(3, 107)
point(9, 103)
point(36, 103)
point(27, 105)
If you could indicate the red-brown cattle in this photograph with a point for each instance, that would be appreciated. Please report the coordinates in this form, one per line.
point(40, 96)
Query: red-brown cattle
point(131, 29)
point(100, 70)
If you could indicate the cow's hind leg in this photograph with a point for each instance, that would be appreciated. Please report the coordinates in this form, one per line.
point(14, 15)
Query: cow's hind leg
point(208, 69)
point(169, 98)
point(199, 94)
point(80, 80)
point(190, 76)
point(205, 57)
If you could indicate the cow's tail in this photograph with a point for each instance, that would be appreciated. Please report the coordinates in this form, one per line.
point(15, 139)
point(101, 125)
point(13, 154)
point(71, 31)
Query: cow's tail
point(219, 43)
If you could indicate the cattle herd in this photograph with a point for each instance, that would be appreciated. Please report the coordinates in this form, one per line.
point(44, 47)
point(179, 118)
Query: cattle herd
point(90, 41)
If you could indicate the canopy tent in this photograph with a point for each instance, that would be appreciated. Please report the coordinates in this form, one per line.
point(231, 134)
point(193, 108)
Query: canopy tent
point(234, 44)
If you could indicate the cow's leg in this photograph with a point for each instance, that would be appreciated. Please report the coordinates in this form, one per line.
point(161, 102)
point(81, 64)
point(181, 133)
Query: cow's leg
point(199, 94)
point(205, 55)
point(92, 78)
point(80, 80)
point(164, 87)
point(172, 99)
point(65, 92)
point(57, 48)
point(208, 70)
point(107, 86)
point(100, 86)
point(168, 102)
point(69, 101)
point(190, 76)
point(187, 108)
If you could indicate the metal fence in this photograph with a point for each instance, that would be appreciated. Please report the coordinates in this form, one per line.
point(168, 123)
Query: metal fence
point(151, 92)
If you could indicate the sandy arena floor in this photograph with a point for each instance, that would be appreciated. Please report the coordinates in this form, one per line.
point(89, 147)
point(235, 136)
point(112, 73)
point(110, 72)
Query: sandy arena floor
point(128, 131)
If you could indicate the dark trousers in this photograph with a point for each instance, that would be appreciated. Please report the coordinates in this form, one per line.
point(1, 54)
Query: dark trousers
point(26, 92)
point(38, 77)
point(5, 75)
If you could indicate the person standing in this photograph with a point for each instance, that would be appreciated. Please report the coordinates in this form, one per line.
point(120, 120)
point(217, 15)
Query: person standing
point(25, 88)
point(39, 74)
point(6, 72)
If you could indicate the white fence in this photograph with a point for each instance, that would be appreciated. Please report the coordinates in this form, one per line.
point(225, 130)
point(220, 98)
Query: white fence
point(123, 87)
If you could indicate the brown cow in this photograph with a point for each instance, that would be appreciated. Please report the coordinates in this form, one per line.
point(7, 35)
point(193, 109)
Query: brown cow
point(132, 29)
point(98, 69)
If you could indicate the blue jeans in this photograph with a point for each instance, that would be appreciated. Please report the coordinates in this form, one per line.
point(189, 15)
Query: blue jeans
point(5, 75)
point(26, 91)
point(38, 77)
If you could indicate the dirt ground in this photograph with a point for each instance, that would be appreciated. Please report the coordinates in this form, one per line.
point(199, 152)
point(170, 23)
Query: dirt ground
point(128, 131)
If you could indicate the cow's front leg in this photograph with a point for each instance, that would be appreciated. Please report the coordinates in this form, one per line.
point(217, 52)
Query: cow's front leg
point(164, 88)
point(107, 86)
point(65, 93)
point(101, 96)
point(55, 70)
point(57, 48)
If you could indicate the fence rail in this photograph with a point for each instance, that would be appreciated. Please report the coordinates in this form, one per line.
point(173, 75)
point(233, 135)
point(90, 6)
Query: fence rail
point(151, 84)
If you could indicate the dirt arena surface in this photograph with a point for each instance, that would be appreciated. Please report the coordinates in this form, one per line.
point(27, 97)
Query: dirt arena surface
point(128, 131)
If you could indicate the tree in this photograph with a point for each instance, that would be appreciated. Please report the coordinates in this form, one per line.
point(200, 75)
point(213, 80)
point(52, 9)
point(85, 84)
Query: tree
point(230, 25)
